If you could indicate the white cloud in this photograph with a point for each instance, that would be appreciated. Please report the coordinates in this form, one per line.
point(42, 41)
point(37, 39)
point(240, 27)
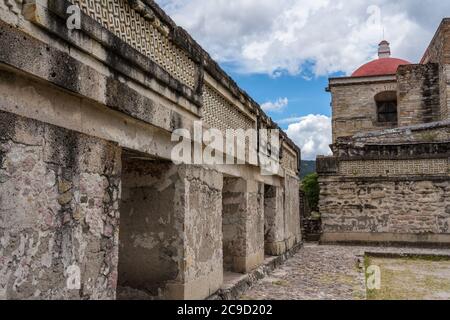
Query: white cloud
point(276, 106)
point(312, 134)
point(308, 37)
point(289, 120)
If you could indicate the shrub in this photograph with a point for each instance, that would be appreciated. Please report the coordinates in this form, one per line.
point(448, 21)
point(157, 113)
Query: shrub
point(310, 185)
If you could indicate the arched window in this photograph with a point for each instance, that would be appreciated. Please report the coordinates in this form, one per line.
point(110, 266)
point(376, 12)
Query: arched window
point(387, 107)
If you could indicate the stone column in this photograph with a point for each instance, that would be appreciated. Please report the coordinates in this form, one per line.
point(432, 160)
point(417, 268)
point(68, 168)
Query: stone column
point(171, 231)
point(274, 221)
point(243, 225)
point(59, 214)
point(292, 212)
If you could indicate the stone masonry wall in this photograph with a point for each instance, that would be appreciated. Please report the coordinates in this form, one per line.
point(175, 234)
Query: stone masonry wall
point(59, 215)
point(292, 211)
point(418, 94)
point(397, 192)
point(385, 206)
point(354, 108)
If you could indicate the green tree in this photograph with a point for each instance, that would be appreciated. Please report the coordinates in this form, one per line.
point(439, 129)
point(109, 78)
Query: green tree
point(311, 188)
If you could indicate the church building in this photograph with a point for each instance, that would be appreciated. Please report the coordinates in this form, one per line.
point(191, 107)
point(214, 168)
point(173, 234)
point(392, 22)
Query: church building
point(388, 179)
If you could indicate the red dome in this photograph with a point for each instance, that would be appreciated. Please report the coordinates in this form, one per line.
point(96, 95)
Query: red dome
point(380, 67)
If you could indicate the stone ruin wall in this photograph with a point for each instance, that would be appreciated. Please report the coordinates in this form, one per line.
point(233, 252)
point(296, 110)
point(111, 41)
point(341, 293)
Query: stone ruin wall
point(418, 94)
point(399, 208)
point(395, 210)
point(86, 122)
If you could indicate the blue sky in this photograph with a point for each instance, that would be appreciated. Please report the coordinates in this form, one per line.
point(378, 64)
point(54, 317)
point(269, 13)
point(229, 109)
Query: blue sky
point(282, 52)
point(305, 96)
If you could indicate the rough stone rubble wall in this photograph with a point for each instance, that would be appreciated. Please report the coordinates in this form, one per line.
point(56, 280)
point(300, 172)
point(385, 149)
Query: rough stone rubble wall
point(171, 231)
point(385, 206)
point(396, 192)
point(59, 210)
point(439, 52)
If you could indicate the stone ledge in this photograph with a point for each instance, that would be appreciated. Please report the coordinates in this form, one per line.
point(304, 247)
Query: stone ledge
point(119, 55)
point(386, 239)
point(238, 286)
point(400, 130)
point(411, 178)
point(36, 59)
point(393, 255)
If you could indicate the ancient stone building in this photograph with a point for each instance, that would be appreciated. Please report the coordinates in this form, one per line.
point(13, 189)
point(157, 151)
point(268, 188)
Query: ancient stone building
point(389, 177)
point(90, 200)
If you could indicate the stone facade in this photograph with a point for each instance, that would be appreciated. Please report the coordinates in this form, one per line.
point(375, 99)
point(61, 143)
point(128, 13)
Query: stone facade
point(394, 210)
point(91, 206)
point(390, 185)
point(354, 106)
point(59, 213)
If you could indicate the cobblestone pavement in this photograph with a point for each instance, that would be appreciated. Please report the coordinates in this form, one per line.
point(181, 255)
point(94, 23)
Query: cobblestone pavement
point(323, 273)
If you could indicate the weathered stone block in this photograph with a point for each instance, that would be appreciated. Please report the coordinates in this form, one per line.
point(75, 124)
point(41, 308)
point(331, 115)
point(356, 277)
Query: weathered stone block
point(327, 165)
point(48, 250)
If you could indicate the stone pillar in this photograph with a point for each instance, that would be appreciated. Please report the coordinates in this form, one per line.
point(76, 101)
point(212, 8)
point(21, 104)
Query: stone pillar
point(292, 212)
point(171, 231)
point(274, 218)
point(59, 214)
point(243, 225)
